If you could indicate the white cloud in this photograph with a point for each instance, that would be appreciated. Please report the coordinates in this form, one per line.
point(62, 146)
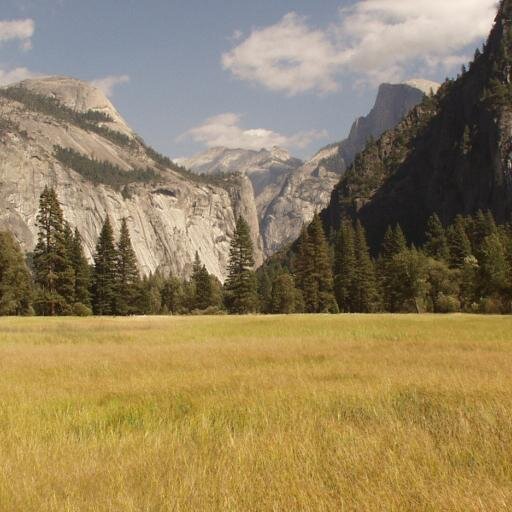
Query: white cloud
point(288, 57)
point(377, 40)
point(15, 75)
point(108, 83)
point(225, 130)
point(17, 30)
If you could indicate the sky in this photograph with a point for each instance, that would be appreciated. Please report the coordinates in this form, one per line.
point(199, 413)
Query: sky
point(193, 74)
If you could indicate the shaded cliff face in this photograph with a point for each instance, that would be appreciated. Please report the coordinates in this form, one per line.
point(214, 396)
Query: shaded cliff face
point(452, 154)
point(308, 188)
point(171, 214)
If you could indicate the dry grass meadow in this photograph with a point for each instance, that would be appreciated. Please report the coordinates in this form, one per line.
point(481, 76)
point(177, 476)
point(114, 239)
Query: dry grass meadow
point(316, 413)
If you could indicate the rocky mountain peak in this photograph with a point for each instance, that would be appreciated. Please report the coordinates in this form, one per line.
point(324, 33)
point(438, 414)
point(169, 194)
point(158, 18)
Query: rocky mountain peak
point(281, 154)
point(426, 86)
point(79, 96)
point(451, 155)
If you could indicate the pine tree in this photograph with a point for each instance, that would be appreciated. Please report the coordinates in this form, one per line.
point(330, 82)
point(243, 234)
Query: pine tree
point(365, 289)
point(15, 279)
point(458, 242)
point(304, 269)
point(149, 295)
point(127, 273)
point(203, 291)
point(52, 265)
point(283, 294)
point(319, 284)
point(172, 295)
point(482, 226)
point(345, 268)
point(436, 245)
point(241, 285)
point(81, 271)
point(104, 275)
point(265, 290)
point(394, 243)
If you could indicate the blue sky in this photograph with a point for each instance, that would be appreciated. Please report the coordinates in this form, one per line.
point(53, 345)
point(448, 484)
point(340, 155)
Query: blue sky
point(190, 74)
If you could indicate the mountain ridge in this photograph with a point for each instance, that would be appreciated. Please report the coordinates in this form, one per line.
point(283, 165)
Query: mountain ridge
point(451, 155)
point(289, 191)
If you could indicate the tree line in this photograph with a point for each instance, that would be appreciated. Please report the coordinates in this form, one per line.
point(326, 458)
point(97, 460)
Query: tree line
point(465, 266)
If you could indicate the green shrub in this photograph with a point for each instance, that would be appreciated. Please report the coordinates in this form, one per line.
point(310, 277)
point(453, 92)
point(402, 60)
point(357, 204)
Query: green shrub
point(490, 306)
point(80, 309)
point(447, 304)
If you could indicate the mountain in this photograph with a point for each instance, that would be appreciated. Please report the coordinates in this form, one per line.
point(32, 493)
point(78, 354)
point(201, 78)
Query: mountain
point(65, 133)
point(266, 169)
point(451, 155)
point(308, 188)
point(289, 191)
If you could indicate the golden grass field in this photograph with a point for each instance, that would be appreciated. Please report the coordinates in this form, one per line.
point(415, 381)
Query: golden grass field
point(306, 413)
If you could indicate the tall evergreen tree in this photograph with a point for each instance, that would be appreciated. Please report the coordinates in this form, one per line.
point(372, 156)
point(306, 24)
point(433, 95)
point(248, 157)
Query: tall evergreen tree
point(241, 285)
point(365, 290)
point(15, 279)
point(318, 287)
point(265, 289)
point(345, 267)
point(149, 296)
point(436, 245)
point(203, 286)
point(482, 226)
point(104, 275)
point(127, 273)
point(303, 267)
point(53, 271)
point(283, 294)
point(81, 270)
point(172, 295)
point(394, 243)
point(458, 242)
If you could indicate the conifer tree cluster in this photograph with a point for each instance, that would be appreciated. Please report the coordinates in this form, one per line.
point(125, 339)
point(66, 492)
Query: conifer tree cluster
point(464, 266)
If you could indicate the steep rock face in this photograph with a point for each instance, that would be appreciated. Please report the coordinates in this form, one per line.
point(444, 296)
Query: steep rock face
point(308, 188)
point(452, 154)
point(266, 169)
point(170, 216)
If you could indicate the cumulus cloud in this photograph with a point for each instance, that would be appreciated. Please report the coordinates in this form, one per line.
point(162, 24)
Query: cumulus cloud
point(225, 130)
point(107, 84)
point(17, 30)
point(15, 75)
point(376, 39)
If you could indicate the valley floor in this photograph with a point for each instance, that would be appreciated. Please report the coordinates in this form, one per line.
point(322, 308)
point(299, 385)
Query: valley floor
point(312, 413)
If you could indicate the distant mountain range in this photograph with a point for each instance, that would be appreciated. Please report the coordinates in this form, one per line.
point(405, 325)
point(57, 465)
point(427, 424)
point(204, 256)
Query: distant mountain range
point(66, 133)
point(289, 191)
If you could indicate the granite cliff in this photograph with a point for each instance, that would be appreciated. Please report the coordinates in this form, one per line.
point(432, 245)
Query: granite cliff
point(66, 133)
